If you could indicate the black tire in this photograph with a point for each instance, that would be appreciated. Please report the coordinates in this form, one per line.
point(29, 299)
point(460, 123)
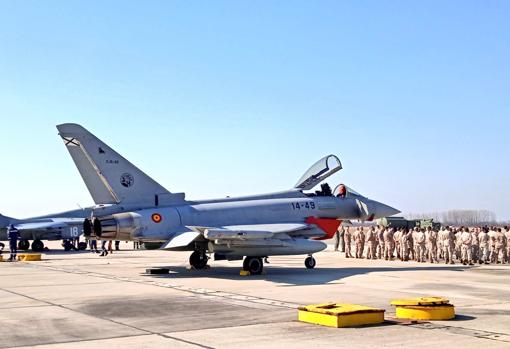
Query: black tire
point(37, 246)
point(82, 246)
point(310, 262)
point(198, 260)
point(23, 245)
point(67, 245)
point(254, 265)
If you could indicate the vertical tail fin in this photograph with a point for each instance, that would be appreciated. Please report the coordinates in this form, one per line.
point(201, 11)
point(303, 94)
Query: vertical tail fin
point(109, 177)
point(5, 221)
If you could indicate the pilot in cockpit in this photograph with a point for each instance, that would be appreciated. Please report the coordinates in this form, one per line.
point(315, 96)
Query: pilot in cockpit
point(342, 191)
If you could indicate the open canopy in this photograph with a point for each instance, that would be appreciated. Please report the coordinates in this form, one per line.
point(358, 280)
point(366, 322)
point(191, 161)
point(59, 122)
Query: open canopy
point(319, 171)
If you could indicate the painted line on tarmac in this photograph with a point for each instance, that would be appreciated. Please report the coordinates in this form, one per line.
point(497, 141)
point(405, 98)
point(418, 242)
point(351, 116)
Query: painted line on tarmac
point(229, 298)
point(501, 337)
point(250, 300)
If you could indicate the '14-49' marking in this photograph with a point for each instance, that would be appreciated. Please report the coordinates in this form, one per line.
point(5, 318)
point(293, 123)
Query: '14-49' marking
point(303, 206)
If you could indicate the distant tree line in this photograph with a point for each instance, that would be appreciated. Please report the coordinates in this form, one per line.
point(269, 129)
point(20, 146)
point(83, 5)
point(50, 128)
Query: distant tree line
point(458, 217)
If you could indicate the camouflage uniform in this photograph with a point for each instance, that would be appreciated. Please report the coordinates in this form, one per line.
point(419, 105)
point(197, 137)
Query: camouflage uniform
point(371, 243)
point(359, 239)
point(492, 246)
point(419, 245)
point(475, 245)
point(380, 244)
point(500, 247)
point(396, 239)
point(484, 241)
point(405, 245)
point(448, 238)
point(507, 235)
point(347, 243)
point(389, 244)
point(466, 245)
point(431, 238)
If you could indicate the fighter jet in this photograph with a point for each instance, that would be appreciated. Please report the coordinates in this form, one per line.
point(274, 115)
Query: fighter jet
point(62, 226)
point(290, 222)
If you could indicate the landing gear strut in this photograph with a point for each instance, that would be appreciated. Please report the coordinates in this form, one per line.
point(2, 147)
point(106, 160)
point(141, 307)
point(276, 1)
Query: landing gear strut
point(254, 265)
point(310, 262)
point(198, 260)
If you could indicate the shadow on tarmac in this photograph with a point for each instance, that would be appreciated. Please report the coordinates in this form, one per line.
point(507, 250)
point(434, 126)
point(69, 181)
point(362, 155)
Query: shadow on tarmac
point(292, 276)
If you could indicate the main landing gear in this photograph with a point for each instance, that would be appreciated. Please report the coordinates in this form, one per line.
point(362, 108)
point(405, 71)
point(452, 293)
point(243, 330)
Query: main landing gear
point(23, 245)
point(37, 245)
point(198, 260)
point(254, 265)
point(310, 262)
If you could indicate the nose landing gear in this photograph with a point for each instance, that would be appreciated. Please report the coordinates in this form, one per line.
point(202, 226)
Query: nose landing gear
point(310, 262)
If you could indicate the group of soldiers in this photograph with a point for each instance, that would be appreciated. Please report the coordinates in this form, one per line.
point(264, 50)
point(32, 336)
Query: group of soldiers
point(448, 244)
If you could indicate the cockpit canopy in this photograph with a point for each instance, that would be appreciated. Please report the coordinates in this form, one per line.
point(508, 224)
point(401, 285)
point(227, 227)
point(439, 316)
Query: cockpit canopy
point(319, 171)
point(348, 192)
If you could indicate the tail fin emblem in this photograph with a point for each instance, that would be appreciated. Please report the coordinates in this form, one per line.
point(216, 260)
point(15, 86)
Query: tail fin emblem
point(127, 180)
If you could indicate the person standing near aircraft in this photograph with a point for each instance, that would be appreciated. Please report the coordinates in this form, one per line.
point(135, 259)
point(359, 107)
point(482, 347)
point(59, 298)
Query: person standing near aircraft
point(507, 235)
point(466, 246)
point(389, 244)
point(359, 238)
point(431, 238)
point(484, 241)
point(371, 241)
point(380, 242)
point(475, 245)
point(396, 241)
point(13, 236)
point(347, 243)
point(500, 247)
point(448, 245)
point(419, 243)
point(337, 240)
point(104, 252)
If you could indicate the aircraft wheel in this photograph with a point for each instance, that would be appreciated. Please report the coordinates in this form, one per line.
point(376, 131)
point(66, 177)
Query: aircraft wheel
point(254, 265)
point(37, 246)
point(310, 262)
point(24, 245)
point(82, 246)
point(198, 260)
point(67, 245)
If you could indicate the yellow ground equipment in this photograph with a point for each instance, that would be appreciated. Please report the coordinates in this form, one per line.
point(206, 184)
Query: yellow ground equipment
point(29, 257)
point(424, 308)
point(340, 315)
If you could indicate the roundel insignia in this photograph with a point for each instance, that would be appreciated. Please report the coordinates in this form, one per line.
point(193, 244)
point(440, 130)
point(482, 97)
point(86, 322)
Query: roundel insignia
point(127, 180)
point(156, 218)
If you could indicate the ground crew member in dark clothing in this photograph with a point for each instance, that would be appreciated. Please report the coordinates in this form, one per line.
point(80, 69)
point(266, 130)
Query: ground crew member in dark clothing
point(13, 235)
point(117, 245)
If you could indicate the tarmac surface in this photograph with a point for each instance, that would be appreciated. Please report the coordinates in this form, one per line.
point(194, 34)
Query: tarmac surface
point(80, 300)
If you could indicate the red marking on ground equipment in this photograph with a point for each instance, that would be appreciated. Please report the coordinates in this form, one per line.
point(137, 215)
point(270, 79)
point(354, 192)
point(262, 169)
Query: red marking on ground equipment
point(328, 225)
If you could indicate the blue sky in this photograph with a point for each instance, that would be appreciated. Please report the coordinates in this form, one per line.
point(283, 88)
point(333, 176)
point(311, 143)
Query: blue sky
point(229, 98)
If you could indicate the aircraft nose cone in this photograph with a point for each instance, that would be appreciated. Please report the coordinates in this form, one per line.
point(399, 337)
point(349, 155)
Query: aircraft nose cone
point(383, 210)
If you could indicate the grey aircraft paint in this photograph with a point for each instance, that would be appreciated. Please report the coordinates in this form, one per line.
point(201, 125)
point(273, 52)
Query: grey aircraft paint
point(135, 207)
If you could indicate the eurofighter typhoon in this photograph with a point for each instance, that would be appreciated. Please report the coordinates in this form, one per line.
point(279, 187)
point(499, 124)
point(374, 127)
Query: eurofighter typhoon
point(132, 206)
